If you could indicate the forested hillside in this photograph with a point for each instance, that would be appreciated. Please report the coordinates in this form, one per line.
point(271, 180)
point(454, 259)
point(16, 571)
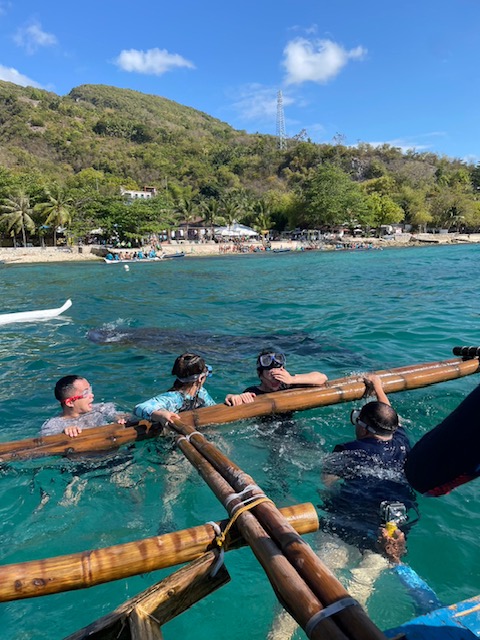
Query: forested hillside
point(64, 159)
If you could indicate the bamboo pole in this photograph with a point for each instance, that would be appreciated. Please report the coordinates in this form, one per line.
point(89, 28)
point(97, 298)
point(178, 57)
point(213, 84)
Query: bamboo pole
point(291, 589)
point(272, 527)
point(110, 437)
point(333, 392)
point(105, 438)
point(156, 606)
point(89, 568)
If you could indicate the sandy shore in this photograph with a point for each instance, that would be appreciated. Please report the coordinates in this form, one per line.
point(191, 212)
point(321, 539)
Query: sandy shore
point(90, 253)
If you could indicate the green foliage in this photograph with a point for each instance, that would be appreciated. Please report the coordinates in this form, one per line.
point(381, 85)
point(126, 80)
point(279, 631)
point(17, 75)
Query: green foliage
point(89, 144)
point(17, 215)
point(330, 197)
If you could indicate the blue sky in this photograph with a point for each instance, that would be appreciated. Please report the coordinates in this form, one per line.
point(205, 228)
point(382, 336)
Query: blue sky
point(404, 73)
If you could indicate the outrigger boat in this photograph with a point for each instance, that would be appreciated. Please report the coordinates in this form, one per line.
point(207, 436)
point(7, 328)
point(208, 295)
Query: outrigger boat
point(164, 256)
point(304, 585)
point(31, 316)
point(130, 260)
point(180, 254)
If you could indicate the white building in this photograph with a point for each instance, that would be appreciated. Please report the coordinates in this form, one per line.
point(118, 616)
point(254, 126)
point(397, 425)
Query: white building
point(148, 192)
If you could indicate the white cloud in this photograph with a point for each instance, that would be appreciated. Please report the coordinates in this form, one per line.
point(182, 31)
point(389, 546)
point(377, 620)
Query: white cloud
point(411, 143)
point(152, 62)
point(9, 74)
point(32, 37)
point(316, 60)
point(257, 102)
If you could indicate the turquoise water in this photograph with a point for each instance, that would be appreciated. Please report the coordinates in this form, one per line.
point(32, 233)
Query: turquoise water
point(336, 312)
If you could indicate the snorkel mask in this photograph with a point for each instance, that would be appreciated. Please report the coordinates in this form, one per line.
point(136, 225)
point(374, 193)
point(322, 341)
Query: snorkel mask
point(271, 360)
point(386, 422)
point(208, 371)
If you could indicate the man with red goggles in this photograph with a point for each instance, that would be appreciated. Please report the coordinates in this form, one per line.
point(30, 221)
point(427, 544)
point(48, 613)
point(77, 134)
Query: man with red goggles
point(75, 395)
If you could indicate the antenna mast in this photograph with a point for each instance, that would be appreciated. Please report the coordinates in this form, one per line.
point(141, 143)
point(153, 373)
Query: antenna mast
point(281, 135)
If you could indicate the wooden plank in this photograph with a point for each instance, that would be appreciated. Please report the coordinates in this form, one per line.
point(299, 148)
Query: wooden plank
point(141, 617)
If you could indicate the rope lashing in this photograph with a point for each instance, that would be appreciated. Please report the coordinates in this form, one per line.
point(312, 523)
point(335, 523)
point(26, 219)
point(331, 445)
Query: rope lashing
point(221, 550)
point(250, 503)
point(328, 611)
point(187, 438)
point(240, 494)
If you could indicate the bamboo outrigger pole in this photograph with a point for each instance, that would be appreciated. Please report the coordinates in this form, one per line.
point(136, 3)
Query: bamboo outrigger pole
point(89, 568)
point(333, 392)
point(303, 584)
point(289, 586)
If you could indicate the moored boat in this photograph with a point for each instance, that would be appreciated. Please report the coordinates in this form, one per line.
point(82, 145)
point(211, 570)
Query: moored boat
point(181, 254)
point(145, 259)
point(130, 260)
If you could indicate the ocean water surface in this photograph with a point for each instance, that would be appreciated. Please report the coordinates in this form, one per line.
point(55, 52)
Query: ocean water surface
point(338, 312)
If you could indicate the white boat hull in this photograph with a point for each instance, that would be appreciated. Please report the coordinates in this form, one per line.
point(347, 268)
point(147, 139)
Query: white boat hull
point(130, 260)
point(28, 316)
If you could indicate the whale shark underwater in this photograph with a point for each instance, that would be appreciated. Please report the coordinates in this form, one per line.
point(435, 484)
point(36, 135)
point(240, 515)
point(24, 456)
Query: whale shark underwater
point(173, 341)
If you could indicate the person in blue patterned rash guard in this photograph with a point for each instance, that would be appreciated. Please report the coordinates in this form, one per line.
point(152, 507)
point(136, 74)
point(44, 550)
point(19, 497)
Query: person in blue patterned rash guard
point(187, 392)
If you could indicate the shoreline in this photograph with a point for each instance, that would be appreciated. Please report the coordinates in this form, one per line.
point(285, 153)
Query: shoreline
point(90, 253)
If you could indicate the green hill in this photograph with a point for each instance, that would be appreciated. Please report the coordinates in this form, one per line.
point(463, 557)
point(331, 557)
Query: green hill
point(132, 136)
point(84, 146)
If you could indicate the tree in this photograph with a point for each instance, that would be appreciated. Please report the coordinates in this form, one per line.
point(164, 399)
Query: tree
point(330, 196)
point(263, 222)
point(57, 209)
point(229, 208)
point(451, 207)
point(211, 212)
point(188, 209)
point(414, 205)
point(384, 209)
point(16, 216)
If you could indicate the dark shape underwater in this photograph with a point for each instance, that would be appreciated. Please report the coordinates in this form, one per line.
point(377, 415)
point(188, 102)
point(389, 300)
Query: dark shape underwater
point(173, 341)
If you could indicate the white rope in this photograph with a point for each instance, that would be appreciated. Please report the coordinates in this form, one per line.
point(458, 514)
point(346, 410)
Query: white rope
point(221, 552)
point(245, 502)
point(187, 438)
point(249, 487)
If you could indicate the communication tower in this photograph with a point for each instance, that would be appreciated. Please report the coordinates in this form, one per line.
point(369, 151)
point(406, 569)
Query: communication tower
point(281, 135)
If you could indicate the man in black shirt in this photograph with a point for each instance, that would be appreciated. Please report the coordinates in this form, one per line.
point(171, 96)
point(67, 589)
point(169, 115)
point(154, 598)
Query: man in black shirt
point(274, 377)
point(369, 498)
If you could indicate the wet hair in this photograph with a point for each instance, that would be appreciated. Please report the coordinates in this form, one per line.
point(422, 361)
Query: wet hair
point(186, 366)
point(380, 417)
point(64, 387)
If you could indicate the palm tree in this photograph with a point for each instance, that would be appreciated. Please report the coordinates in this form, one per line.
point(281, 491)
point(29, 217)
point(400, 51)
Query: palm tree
point(57, 209)
point(263, 224)
point(211, 211)
point(188, 209)
point(17, 216)
point(230, 210)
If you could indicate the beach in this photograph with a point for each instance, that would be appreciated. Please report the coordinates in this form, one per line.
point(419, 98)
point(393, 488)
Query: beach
point(30, 255)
